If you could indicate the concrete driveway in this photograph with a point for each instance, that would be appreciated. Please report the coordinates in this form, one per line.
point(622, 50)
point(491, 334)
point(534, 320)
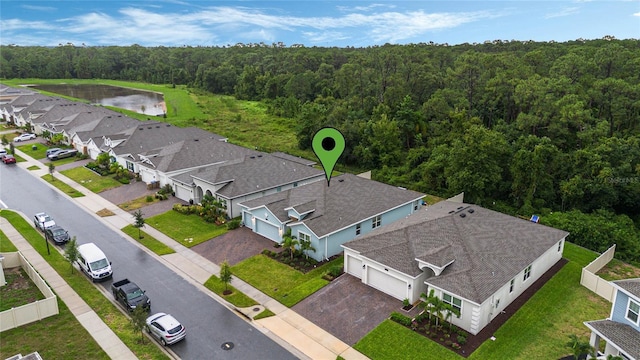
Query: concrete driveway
point(348, 309)
point(234, 246)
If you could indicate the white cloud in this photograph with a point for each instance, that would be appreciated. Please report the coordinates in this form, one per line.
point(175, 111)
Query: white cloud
point(636, 14)
point(38, 8)
point(564, 12)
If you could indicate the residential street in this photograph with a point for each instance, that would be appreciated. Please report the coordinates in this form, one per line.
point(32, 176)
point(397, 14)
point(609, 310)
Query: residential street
point(209, 324)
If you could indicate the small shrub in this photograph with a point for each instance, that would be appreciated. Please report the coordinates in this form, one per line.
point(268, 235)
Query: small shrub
point(448, 342)
point(406, 303)
point(455, 346)
point(307, 264)
point(427, 333)
point(400, 319)
point(447, 336)
point(461, 339)
point(124, 180)
point(335, 271)
point(150, 199)
point(233, 224)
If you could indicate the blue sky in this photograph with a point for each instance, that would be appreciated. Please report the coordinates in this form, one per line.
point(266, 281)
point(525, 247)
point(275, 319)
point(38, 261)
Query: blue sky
point(311, 23)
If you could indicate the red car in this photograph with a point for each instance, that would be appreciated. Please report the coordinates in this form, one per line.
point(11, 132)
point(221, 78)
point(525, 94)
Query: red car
point(9, 159)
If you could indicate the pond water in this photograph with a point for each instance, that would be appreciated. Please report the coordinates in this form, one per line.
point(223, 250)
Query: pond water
point(143, 102)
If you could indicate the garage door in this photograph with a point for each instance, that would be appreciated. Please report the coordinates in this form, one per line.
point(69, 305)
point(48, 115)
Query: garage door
point(267, 230)
point(386, 283)
point(354, 266)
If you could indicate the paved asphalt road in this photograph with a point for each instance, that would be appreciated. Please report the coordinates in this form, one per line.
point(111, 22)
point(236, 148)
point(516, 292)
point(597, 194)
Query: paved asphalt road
point(208, 323)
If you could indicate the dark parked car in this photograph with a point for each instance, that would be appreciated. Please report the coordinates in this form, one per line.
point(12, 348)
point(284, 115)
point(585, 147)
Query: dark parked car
point(129, 295)
point(63, 154)
point(57, 234)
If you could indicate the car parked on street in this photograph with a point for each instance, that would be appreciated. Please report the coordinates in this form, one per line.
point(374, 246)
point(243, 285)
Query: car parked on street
point(24, 137)
point(56, 234)
point(165, 328)
point(3, 152)
point(62, 154)
point(8, 159)
point(43, 221)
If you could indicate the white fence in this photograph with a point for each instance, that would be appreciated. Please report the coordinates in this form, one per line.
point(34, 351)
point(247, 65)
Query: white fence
point(35, 311)
point(593, 282)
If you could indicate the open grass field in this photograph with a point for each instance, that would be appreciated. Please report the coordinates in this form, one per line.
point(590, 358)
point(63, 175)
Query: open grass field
point(188, 230)
point(539, 330)
point(91, 180)
point(57, 347)
point(280, 281)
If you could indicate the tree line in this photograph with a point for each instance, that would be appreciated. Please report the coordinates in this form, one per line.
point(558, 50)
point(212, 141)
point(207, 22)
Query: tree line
point(520, 126)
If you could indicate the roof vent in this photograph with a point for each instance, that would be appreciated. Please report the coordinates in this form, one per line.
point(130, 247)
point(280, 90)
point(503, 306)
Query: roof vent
point(463, 215)
point(168, 125)
point(157, 126)
point(341, 180)
point(460, 207)
point(252, 157)
point(149, 127)
point(196, 140)
point(452, 211)
point(259, 155)
point(470, 211)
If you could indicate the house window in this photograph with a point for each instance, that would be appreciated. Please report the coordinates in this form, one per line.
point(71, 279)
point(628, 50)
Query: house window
point(304, 237)
point(633, 311)
point(129, 166)
point(295, 184)
point(559, 245)
point(376, 221)
point(453, 301)
point(527, 273)
point(358, 229)
point(511, 285)
point(279, 189)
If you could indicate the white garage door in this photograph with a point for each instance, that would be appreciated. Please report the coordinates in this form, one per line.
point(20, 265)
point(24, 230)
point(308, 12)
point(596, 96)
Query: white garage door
point(386, 283)
point(267, 230)
point(354, 266)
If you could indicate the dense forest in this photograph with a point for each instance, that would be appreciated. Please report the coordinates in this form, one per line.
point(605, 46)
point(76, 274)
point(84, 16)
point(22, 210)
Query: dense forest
point(520, 126)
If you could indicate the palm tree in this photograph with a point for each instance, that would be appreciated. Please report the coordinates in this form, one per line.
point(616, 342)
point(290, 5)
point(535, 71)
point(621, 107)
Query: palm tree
point(305, 245)
point(579, 347)
point(449, 312)
point(289, 242)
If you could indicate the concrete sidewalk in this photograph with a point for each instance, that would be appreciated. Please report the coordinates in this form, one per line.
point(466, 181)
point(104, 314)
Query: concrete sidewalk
point(102, 334)
point(299, 335)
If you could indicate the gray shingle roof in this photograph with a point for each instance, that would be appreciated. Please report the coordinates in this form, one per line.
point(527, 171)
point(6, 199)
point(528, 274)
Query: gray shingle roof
point(631, 285)
point(152, 135)
point(349, 200)
point(192, 153)
point(255, 173)
point(622, 335)
point(489, 248)
point(297, 159)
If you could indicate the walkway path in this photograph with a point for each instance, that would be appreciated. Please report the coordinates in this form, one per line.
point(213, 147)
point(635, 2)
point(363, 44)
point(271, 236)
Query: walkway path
point(104, 336)
point(303, 338)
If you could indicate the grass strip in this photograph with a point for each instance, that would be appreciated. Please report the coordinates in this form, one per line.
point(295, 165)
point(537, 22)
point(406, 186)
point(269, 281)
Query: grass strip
point(237, 298)
point(65, 188)
point(91, 180)
point(148, 241)
point(107, 311)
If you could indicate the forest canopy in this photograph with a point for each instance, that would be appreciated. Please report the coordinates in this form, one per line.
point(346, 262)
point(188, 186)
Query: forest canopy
point(520, 126)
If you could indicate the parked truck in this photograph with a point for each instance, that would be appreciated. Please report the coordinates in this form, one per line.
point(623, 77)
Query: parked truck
point(129, 295)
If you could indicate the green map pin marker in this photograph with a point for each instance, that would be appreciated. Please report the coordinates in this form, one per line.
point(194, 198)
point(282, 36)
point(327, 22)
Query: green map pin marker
point(328, 144)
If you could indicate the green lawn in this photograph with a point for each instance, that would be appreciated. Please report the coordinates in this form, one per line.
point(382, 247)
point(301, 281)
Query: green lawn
point(33, 167)
point(22, 294)
point(236, 297)
point(148, 241)
point(188, 230)
point(280, 281)
point(65, 188)
point(39, 153)
point(5, 244)
point(107, 311)
point(91, 180)
point(539, 330)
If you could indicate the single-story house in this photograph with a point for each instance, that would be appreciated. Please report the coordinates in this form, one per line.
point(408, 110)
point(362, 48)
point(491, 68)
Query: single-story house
point(475, 259)
point(329, 216)
point(236, 180)
point(621, 331)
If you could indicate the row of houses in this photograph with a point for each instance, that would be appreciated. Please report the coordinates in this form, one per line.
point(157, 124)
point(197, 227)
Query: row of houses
point(475, 259)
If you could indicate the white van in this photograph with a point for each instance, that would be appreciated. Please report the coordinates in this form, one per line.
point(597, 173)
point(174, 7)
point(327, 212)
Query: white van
point(93, 262)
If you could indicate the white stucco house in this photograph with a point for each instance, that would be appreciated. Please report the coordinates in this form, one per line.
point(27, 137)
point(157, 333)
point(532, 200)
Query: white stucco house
point(620, 332)
point(236, 180)
point(329, 216)
point(475, 259)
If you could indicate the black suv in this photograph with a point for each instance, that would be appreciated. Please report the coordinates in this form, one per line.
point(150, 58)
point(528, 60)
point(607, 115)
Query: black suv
point(57, 234)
